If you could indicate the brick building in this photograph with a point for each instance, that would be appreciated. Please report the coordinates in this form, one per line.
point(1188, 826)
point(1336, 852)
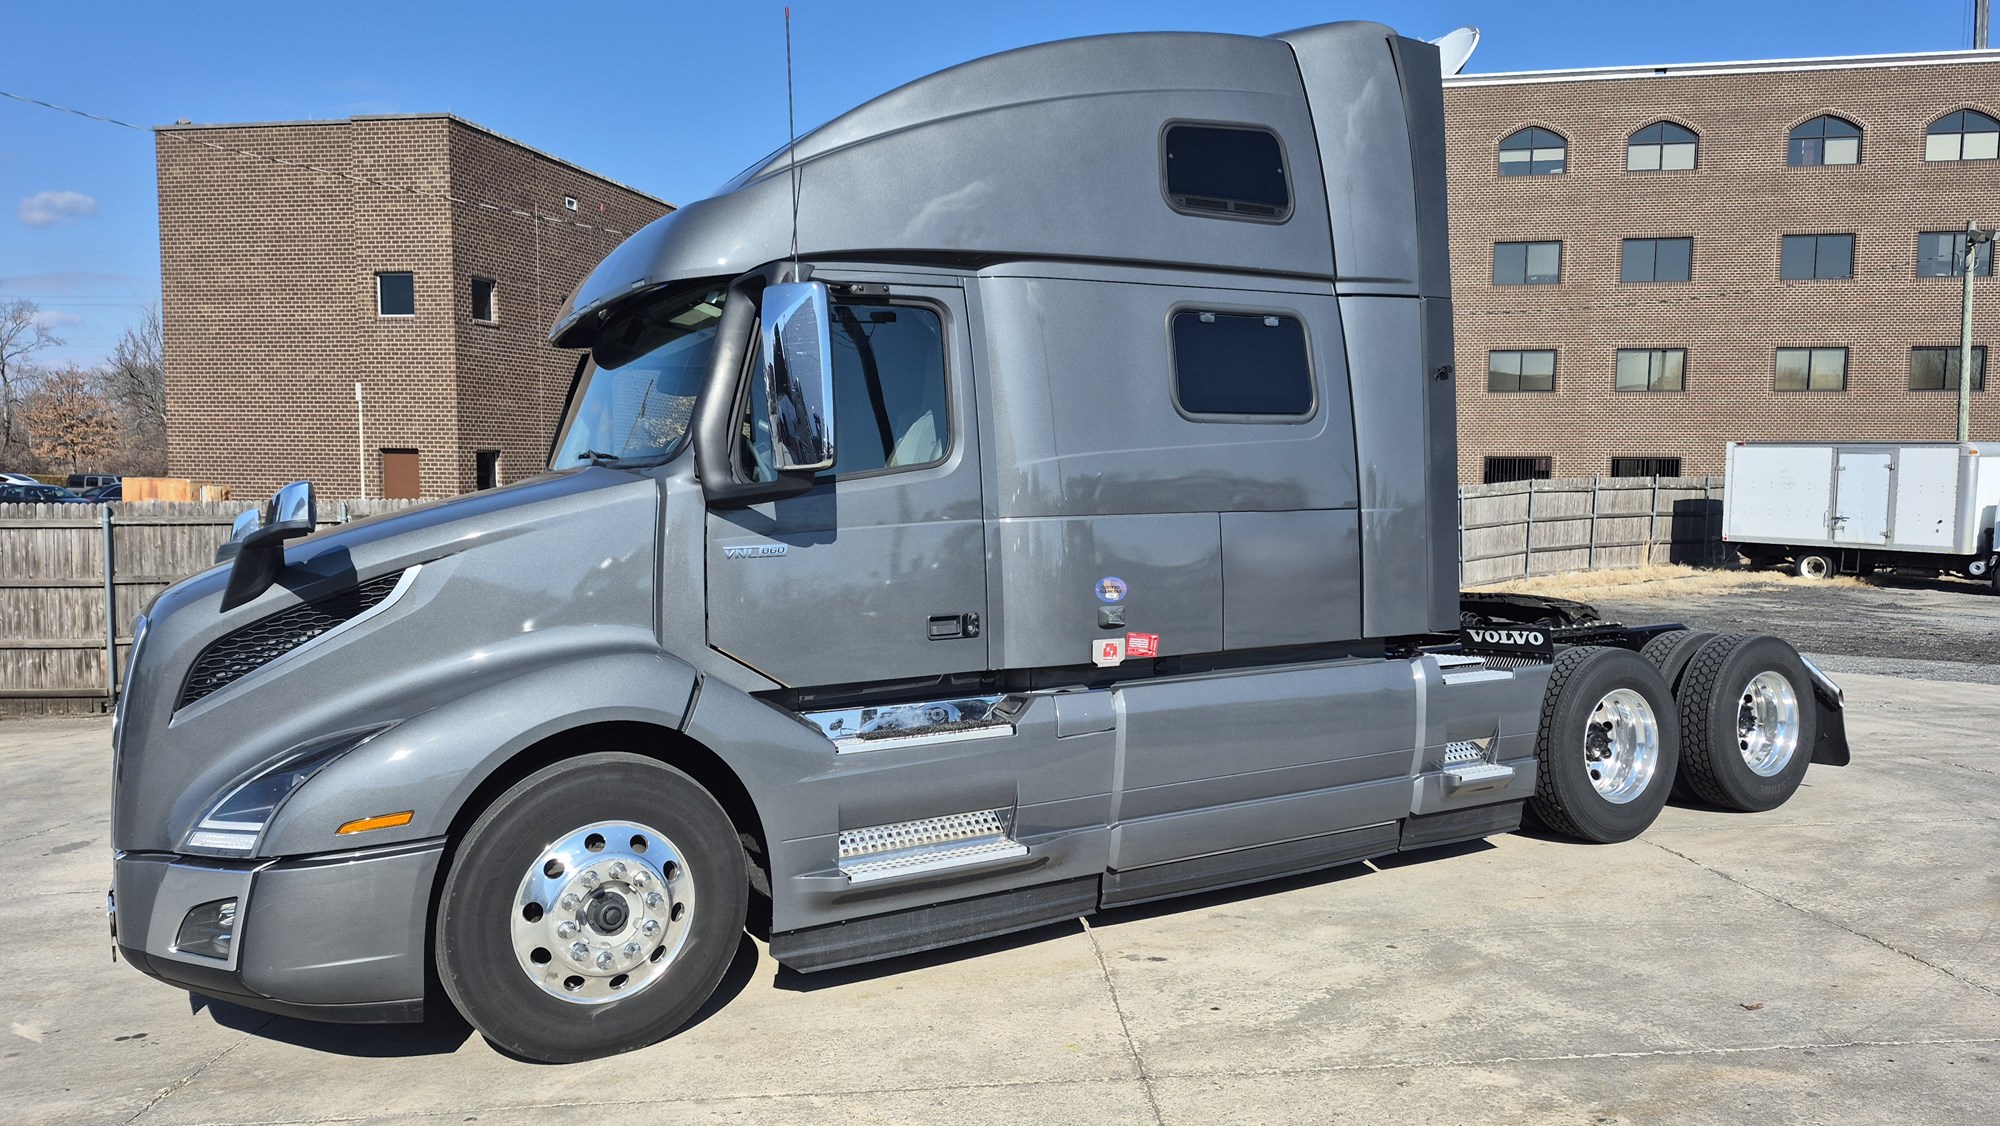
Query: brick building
point(1651, 262)
point(419, 256)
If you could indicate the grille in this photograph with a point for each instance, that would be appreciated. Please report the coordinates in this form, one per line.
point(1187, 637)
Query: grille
point(236, 655)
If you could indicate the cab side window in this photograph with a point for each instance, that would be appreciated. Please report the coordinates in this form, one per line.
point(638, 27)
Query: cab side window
point(888, 388)
point(890, 405)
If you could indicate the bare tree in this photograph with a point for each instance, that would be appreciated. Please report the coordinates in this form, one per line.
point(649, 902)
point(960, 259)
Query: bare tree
point(21, 336)
point(70, 422)
point(137, 379)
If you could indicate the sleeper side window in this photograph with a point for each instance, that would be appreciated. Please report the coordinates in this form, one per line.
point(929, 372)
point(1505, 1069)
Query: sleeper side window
point(1241, 365)
point(890, 404)
point(1228, 172)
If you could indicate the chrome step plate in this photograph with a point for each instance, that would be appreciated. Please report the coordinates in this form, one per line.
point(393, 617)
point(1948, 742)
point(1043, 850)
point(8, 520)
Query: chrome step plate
point(934, 844)
point(1477, 776)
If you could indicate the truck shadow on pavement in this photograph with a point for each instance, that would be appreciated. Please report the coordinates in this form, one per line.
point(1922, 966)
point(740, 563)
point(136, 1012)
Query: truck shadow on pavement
point(442, 1031)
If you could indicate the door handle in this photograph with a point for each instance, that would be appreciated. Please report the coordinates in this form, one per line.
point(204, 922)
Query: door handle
point(951, 627)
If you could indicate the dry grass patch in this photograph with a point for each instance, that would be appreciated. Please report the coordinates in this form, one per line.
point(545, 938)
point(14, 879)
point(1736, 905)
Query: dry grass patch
point(1659, 580)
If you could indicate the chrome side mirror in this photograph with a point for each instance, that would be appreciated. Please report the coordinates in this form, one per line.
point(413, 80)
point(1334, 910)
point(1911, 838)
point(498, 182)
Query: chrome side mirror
point(260, 552)
point(796, 365)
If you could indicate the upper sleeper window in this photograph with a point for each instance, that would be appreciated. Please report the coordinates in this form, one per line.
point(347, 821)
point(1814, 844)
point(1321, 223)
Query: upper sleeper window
point(1241, 364)
point(1227, 171)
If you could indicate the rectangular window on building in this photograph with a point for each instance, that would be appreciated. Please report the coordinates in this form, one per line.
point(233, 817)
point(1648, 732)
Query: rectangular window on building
point(1651, 369)
point(1233, 364)
point(1657, 260)
point(396, 294)
point(1527, 263)
point(1645, 467)
point(1533, 370)
point(485, 300)
point(1941, 254)
point(1812, 369)
point(1936, 369)
point(1816, 257)
point(400, 477)
point(1500, 470)
point(486, 469)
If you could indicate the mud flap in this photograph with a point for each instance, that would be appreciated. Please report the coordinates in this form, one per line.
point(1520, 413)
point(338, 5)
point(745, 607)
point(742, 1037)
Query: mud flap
point(1831, 747)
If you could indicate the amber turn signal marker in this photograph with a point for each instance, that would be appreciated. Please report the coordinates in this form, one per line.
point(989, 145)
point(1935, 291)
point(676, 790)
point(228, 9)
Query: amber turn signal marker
point(382, 821)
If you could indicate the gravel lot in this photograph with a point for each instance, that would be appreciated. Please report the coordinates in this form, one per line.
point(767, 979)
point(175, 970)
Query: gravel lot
point(1932, 629)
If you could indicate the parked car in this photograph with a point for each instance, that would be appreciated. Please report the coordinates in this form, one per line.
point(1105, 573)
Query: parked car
point(93, 480)
point(17, 479)
point(38, 493)
point(104, 494)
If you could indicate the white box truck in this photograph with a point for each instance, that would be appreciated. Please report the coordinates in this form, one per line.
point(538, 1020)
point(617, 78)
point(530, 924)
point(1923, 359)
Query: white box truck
point(1855, 507)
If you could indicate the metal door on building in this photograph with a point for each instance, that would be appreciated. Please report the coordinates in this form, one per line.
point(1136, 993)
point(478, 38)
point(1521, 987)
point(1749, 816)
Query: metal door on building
point(1861, 497)
point(400, 477)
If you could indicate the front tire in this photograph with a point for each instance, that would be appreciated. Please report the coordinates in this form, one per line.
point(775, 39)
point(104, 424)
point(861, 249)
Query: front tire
point(591, 909)
point(1608, 746)
point(1748, 703)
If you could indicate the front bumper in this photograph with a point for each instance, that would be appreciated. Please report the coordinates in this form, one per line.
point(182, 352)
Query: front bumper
point(341, 937)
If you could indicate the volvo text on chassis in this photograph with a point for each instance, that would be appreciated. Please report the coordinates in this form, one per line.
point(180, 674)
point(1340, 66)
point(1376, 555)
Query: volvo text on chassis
point(1073, 525)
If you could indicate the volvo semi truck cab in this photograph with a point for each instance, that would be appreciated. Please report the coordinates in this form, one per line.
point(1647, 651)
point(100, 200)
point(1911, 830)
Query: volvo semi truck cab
point(1068, 521)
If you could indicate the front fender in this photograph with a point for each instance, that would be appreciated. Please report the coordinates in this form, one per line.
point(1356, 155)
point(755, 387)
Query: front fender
point(433, 763)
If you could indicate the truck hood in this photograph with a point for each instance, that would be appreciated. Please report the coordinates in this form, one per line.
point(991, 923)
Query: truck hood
point(370, 623)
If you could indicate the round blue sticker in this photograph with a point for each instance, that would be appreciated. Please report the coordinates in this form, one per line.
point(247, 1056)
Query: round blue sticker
point(1111, 588)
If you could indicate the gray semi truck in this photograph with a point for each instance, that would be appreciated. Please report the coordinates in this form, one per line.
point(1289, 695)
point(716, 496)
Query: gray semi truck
point(1031, 492)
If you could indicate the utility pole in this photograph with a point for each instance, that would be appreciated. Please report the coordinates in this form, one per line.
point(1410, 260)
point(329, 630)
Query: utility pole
point(361, 437)
point(1979, 25)
point(1974, 239)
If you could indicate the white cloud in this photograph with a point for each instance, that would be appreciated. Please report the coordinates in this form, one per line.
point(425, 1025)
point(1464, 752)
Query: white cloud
point(56, 318)
point(46, 209)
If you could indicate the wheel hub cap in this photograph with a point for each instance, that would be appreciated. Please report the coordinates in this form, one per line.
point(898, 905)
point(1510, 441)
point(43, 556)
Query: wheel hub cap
point(1622, 746)
point(602, 911)
point(1767, 723)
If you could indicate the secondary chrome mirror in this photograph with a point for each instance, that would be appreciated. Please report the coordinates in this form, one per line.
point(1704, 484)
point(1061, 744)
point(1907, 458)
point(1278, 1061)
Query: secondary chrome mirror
point(796, 366)
point(246, 522)
point(293, 509)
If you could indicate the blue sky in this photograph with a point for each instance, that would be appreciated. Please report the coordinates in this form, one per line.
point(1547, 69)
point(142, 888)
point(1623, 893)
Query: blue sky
point(670, 97)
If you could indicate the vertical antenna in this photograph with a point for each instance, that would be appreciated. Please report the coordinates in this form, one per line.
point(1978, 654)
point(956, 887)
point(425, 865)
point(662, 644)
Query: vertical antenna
point(791, 124)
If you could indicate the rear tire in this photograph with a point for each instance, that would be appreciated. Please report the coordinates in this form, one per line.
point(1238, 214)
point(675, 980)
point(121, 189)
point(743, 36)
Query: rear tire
point(1670, 653)
point(1608, 746)
point(1750, 722)
point(1813, 565)
point(591, 909)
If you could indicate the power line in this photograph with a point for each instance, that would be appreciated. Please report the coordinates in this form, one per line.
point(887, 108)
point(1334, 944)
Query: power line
point(350, 177)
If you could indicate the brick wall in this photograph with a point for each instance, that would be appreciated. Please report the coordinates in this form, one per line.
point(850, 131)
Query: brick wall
point(1734, 312)
point(268, 281)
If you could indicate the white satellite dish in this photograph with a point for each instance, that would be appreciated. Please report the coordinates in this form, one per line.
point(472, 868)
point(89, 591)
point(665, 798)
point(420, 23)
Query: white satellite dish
point(1455, 49)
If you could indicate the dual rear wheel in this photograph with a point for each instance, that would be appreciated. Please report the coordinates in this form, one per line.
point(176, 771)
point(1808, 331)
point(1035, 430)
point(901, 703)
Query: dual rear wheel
point(1727, 719)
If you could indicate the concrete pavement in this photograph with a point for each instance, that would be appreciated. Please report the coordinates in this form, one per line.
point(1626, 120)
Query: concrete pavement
point(1837, 960)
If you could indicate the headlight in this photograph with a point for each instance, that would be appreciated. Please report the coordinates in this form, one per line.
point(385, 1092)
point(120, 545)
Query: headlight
point(233, 824)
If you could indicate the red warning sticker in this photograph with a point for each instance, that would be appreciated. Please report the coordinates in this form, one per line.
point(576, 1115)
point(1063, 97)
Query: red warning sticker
point(1142, 645)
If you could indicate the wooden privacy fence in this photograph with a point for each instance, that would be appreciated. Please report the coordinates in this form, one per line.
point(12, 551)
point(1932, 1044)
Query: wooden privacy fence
point(1525, 528)
point(74, 577)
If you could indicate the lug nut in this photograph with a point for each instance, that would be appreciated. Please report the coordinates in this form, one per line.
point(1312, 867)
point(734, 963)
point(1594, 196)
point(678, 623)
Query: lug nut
point(604, 959)
point(654, 899)
point(590, 878)
point(639, 878)
point(618, 870)
point(579, 950)
point(651, 928)
point(565, 929)
point(631, 950)
point(570, 901)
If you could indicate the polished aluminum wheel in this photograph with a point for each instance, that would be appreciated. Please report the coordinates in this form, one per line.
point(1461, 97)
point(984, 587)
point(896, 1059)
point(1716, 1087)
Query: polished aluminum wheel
point(602, 912)
point(1767, 723)
point(1621, 750)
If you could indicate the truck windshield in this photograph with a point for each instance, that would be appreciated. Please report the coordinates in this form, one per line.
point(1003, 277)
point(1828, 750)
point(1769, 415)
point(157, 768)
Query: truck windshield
point(638, 391)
